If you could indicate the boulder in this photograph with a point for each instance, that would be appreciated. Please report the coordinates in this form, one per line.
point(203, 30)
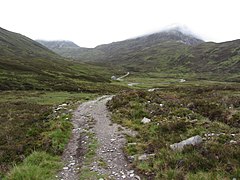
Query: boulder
point(190, 141)
point(114, 78)
point(146, 120)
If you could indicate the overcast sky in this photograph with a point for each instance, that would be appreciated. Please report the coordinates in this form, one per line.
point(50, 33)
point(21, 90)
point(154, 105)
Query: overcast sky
point(92, 22)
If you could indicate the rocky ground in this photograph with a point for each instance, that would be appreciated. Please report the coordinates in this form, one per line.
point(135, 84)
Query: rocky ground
point(92, 118)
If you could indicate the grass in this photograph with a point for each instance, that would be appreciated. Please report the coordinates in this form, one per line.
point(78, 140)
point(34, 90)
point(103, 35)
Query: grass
point(58, 133)
point(45, 97)
point(38, 165)
point(91, 149)
point(85, 171)
point(211, 111)
point(27, 65)
point(33, 120)
point(102, 163)
point(164, 80)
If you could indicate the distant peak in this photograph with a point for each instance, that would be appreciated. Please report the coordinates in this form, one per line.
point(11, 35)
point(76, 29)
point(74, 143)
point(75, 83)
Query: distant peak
point(58, 44)
point(181, 28)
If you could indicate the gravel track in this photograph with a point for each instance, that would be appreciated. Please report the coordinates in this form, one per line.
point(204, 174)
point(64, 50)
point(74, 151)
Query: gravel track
point(110, 139)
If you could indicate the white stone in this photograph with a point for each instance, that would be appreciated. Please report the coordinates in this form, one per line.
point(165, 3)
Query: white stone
point(71, 164)
point(145, 120)
point(112, 140)
point(137, 177)
point(124, 176)
point(190, 141)
point(114, 78)
point(132, 84)
point(144, 157)
point(151, 90)
point(233, 142)
point(182, 80)
point(131, 171)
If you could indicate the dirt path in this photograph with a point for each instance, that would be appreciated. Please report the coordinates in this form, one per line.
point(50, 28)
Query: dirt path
point(93, 117)
point(121, 78)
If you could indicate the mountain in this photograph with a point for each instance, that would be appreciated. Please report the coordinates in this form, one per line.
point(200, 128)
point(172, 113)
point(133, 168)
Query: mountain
point(147, 53)
point(69, 49)
point(174, 51)
point(148, 41)
point(98, 53)
point(57, 44)
point(26, 64)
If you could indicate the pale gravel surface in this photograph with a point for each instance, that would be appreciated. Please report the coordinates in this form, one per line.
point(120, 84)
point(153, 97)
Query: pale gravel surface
point(109, 138)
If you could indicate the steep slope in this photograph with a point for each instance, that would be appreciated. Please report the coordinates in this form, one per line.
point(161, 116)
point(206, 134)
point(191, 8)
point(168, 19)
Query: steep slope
point(23, 54)
point(26, 64)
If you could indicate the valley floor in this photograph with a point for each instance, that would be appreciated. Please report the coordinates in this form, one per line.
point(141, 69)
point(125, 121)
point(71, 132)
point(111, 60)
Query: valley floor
point(98, 145)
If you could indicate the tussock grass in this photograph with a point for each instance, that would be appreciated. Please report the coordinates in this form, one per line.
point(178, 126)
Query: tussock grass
point(38, 166)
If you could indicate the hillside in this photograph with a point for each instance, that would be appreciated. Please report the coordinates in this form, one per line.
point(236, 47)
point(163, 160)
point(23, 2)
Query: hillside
point(170, 52)
point(107, 52)
point(218, 58)
point(26, 64)
point(173, 52)
point(151, 40)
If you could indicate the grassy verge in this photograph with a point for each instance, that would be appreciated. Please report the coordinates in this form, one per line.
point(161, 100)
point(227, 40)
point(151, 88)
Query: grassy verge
point(34, 121)
point(85, 172)
point(90, 157)
point(38, 165)
point(178, 113)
